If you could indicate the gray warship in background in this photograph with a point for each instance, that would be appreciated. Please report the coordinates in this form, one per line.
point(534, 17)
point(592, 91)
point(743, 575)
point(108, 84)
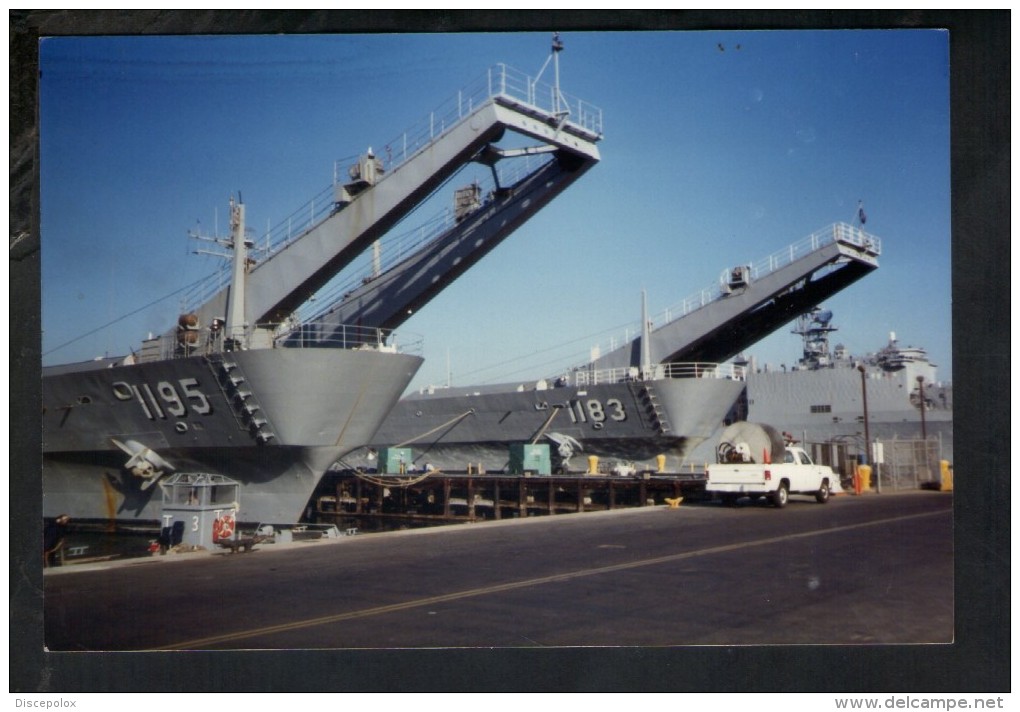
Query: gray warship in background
point(821, 398)
point(660, 394)
point(255, 385)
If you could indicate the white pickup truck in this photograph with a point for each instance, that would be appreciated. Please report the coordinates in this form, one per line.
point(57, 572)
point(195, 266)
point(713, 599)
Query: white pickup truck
point(782, 471)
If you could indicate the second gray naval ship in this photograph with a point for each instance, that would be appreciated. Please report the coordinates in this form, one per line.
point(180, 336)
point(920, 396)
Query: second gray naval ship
point(659, 395)
point(820, 398)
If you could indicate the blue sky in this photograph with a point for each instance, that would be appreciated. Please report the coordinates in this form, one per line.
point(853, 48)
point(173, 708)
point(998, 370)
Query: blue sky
point(720, 148)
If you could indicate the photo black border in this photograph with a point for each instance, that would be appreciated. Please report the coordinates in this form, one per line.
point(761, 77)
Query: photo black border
point(979, 660)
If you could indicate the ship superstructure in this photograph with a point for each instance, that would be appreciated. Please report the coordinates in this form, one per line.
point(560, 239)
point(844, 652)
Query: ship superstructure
point(821, 397)
point(243, 385)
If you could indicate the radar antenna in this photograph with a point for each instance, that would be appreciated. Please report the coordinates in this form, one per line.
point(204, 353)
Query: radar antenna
point(814, 328)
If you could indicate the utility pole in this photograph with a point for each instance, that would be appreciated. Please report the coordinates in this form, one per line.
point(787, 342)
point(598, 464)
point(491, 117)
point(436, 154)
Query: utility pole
point(924, 431)
point(920, 401)
point(867, 432)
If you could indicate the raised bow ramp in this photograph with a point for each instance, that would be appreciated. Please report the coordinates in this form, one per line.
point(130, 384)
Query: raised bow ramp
point(387, 299)
point(382, 193)
point(752, 301)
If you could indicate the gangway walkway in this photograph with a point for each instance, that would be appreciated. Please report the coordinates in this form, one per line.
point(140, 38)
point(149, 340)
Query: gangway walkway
point(752, 301)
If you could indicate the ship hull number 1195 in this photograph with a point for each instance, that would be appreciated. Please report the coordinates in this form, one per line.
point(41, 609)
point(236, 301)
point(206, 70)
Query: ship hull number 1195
point(172, 400)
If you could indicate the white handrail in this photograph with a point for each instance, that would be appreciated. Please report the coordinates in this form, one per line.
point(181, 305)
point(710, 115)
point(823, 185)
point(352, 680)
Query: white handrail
point(287, 335)
point(656, 372)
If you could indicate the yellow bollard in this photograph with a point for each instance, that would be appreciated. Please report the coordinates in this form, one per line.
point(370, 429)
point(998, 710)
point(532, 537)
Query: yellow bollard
point(593, 464)
point(864, 471)
point(660, 463)
point(674, 503)
point(946, 482)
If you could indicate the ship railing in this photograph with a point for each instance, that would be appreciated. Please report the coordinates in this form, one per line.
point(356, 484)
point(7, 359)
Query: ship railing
point(835, 233)
point(293, 334)
point(657, 372)
point(518, 88)
point(500, 83)
point(344, 336)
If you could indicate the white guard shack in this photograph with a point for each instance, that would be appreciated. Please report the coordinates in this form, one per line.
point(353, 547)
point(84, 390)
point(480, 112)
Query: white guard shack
point(199, 508)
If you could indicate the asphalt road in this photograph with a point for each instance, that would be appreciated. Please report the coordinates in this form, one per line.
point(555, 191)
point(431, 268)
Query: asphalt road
point(859, 570)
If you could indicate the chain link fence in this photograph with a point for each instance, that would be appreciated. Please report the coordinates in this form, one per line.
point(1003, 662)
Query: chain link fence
point(898, 463)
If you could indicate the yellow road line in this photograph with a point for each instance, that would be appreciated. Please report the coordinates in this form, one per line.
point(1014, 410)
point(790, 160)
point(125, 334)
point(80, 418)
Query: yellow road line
point(200, 643)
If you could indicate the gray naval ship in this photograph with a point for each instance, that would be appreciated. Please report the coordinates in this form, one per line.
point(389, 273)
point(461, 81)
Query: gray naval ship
point(821, 399)
point(246, 387)
point(658, 395)
point(214, 396)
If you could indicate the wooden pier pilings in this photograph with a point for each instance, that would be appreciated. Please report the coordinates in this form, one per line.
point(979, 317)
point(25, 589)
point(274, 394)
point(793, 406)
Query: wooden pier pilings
point(467, 497)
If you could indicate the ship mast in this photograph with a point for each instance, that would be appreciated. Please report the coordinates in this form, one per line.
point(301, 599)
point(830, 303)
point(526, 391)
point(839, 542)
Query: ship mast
point(234, 321)
point(646, 355)
point(235, 297)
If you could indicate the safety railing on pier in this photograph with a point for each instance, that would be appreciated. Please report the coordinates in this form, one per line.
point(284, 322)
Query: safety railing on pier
point(655, 372)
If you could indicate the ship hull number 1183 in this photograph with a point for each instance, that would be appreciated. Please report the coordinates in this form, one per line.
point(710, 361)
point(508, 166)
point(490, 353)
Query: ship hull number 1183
point(592, 410)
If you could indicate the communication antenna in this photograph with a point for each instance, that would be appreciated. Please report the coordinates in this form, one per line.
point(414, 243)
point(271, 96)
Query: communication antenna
point(561, 107)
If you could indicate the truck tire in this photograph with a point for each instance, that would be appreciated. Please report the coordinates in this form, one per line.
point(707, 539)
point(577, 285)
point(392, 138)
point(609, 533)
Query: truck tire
point(822, 495)
point(781, 496)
